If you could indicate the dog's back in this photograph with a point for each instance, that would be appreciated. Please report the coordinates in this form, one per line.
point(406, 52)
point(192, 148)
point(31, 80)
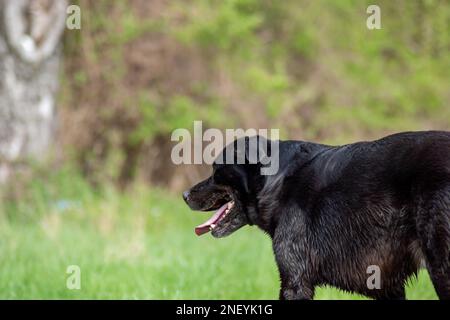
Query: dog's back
point(382, 204)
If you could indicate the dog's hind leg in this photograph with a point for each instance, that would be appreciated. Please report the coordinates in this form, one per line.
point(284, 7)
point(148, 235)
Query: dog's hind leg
point(434, 231)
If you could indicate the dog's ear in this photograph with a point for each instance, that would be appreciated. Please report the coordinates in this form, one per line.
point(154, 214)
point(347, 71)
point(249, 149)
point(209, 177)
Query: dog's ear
point(257, 149)
point(246, 150)
point(246, 154)
point(241, 178)
point(233, 175)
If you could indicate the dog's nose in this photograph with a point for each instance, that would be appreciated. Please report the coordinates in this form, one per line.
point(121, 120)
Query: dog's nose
point(185, 195)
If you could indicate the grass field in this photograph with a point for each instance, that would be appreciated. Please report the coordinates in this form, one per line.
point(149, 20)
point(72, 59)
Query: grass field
point(135, 245)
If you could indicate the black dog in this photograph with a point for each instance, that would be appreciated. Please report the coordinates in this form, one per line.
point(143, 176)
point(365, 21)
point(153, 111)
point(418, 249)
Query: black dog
point(334, 211)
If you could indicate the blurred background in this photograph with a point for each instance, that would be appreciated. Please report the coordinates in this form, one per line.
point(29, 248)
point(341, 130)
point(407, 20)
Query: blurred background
point(86, 116)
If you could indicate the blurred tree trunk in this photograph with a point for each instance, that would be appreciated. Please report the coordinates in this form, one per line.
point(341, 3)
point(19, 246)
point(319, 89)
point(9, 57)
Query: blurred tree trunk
point(30, 36)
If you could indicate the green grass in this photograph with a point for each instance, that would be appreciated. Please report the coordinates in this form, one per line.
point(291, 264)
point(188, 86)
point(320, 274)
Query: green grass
point(135, 245)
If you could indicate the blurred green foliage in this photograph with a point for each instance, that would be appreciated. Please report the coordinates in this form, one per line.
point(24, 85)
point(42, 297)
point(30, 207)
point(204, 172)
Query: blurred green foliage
point(311, 68)
point(372, 80)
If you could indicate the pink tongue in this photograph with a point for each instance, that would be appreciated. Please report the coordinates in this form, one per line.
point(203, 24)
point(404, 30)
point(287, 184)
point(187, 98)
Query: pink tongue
point(204, 227)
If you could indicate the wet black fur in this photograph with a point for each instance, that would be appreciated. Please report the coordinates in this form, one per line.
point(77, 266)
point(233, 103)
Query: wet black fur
point(333, 211)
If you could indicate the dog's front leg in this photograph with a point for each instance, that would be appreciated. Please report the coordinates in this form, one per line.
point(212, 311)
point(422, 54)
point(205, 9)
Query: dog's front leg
point(293, 290)
point(295, 284)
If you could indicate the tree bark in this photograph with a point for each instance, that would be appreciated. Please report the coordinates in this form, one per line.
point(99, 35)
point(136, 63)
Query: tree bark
point(30, 54)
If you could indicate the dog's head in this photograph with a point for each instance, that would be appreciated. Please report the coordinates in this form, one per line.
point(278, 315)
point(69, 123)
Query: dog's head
point(232, 188)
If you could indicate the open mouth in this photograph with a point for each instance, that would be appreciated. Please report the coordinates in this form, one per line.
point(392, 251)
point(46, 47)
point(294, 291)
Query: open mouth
point(212, 222)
